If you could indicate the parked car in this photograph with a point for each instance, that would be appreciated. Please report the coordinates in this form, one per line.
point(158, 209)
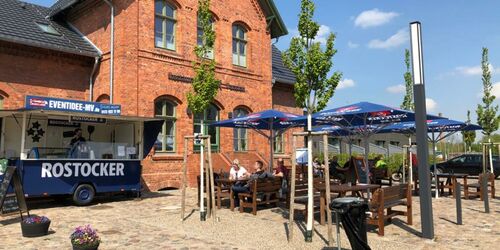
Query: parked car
point(471, 164)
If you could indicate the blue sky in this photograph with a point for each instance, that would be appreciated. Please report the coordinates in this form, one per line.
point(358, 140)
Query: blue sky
point(372, 36)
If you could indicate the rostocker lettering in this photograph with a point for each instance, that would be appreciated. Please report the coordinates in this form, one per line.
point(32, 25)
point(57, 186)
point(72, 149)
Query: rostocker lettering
point(79, 169)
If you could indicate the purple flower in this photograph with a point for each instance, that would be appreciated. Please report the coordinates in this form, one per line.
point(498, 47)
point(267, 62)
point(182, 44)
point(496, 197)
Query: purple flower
point(85, 236)
point(36, 220)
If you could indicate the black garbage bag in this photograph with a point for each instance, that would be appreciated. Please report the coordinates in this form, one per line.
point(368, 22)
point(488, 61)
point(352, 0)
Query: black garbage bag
point(352, 214)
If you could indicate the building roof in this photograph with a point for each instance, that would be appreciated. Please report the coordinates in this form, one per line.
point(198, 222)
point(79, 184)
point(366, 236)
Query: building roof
point(281, 73)
point(276, 25)
point(19, 23)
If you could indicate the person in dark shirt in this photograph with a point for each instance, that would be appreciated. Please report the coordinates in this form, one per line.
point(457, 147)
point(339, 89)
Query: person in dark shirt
point(281, 170)
point(77, 137)
point(241, 187)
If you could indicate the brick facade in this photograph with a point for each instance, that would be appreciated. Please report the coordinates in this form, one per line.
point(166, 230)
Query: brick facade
point(142, 73)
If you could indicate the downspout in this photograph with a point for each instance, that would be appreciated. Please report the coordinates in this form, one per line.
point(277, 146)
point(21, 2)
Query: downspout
point(91, 80)
point(112, 50)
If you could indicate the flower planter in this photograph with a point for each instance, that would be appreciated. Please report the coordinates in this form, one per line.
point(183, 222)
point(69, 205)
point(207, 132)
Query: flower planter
point(80, 247)
point(36, 229)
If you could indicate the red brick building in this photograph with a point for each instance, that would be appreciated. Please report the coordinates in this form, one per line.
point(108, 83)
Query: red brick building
point(66, 51)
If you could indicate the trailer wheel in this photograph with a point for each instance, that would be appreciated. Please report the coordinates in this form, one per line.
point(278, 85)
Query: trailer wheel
point(83, 195)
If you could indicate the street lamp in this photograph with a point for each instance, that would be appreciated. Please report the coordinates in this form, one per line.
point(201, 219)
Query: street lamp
point(421, 127)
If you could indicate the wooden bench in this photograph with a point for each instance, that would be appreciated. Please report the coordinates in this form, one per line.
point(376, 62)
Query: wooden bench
point(387, 198)
point(262, 191)
point(477, 186)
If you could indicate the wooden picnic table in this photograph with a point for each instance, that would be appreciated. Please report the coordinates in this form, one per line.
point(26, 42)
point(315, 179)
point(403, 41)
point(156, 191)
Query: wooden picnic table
point(225, 189)
point(341, 190)
point(451, 180)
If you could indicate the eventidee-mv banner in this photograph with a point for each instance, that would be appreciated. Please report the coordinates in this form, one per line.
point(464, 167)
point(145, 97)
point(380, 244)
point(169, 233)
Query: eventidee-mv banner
point(49, 103)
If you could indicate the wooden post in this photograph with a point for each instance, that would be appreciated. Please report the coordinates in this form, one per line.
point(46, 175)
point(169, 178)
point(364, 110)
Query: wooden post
point(327, 187)
point(207, 182)
point(212, 182)
point(292, 189)
point(184, 179)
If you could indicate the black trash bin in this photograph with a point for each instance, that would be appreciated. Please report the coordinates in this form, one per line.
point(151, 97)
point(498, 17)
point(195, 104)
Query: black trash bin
point(352, 213)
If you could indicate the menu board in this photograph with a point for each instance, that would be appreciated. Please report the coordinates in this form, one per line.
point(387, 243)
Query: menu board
point(359, 163)
point(8, 202)
point(7, 177)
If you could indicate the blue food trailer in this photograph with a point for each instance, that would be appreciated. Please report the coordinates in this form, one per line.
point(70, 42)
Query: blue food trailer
point(75, 148)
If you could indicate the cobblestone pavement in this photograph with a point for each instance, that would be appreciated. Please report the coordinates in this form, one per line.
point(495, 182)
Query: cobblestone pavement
point(154, 223)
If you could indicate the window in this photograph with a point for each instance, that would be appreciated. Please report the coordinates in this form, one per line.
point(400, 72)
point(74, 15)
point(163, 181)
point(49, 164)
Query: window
point(380, 143)
point(165, 109)
point(394, 143)
point(164, 25)
point(279, 144)
point(333, 141)
point(239, 46)
point(240, 140)
point(47, 28)
point(210, 115)
point(199, 41)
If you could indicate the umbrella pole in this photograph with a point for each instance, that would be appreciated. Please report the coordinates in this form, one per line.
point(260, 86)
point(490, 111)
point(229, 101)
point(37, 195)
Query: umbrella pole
point(410, 163)
point(292, 190)
point(271, 143)
point(367, 152)
point(436, 184)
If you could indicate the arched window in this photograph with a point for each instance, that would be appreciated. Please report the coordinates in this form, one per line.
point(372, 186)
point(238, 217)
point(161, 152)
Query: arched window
point(165, 110)
point(239, 45)
point(199, 40)
point(210, 115)
point(240, 140)
point(165, 24)
point(104, 98)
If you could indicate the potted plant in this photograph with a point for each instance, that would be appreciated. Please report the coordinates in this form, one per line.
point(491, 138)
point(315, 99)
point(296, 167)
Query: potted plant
point(35, 226)
point(85, 238)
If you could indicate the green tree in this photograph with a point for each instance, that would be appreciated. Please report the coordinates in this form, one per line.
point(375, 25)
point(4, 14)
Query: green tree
point(205, 85)
point(408, 99)
point(311, 64)
point(468, 136)
point(487, 112)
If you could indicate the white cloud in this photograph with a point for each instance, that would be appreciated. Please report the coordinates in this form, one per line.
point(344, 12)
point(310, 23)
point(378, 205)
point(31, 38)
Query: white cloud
point(373, 18)
point(352, 45)
point(323, 33)
point(474, 70)
point(430, 104)
point(322, 36)
point(346, 83)
point(396, 89)
point(395, 40)
point(496, 90)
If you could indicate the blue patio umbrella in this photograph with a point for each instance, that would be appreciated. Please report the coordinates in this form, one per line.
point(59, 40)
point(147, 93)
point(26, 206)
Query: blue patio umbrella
point(272, 120)
point(433, 126)
point(363, 118)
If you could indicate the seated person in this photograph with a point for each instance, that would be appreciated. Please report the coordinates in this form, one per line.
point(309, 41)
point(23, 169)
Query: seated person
point(237, 171)
point(334, 166)
point(318, 167)
point(379, 162)
point(281, 170)
point(242, 187)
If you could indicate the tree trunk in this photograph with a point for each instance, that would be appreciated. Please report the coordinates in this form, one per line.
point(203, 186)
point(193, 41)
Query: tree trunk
point(310, 194)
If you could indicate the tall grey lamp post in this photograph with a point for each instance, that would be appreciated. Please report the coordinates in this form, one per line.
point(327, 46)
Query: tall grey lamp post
point(421, 126)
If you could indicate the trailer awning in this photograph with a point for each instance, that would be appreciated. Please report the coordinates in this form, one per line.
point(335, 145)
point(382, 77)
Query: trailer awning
point(9, 112)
